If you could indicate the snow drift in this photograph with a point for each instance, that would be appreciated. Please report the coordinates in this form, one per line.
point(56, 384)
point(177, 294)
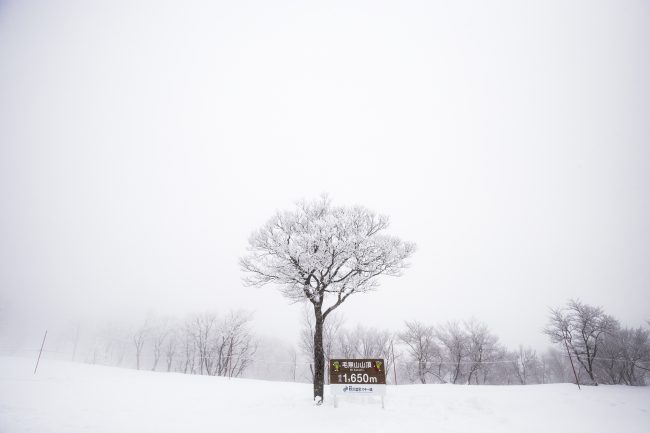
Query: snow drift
point(66, 397)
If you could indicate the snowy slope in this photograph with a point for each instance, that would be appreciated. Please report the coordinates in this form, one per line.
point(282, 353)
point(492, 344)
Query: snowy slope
point(68, 397)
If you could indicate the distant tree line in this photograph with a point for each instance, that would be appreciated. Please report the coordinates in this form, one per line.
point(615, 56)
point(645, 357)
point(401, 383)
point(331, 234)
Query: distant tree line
point(456, 352)
point(205, 343)
point(600, 350)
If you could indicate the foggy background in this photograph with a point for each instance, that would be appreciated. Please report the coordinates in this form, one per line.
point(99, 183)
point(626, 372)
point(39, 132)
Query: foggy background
point(141, 143)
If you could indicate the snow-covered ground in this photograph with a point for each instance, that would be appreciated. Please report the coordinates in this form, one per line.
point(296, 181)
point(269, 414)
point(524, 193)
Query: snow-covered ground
point(69, 397)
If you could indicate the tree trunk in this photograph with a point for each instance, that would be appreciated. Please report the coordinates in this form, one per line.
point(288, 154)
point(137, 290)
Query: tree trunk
point(457, 372)
point(319, 355)
point(421, 372)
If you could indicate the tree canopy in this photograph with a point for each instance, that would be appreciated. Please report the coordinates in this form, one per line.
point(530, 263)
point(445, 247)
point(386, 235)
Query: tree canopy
point(320, 249)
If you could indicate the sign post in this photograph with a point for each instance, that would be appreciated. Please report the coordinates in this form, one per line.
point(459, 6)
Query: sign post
point(357, 377)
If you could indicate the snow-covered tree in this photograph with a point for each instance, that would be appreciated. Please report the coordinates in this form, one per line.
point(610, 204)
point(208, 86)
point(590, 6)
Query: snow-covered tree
point(222, 347)
point(455, 343)
point(423, 350)
point(235, 345)
point(581, 328)
point(139, 337)
point(482, 347)
point(525, 365)
point(171, 346)
point(323, 254)
point(159, 331)
point(624, 357)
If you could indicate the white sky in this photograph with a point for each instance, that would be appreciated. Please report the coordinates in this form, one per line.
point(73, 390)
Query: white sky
point(142, 142)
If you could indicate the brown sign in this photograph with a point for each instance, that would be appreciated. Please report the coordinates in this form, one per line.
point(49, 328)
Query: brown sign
point(357, 371)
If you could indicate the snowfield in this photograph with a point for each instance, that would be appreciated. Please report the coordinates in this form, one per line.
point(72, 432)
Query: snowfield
point(71, 397)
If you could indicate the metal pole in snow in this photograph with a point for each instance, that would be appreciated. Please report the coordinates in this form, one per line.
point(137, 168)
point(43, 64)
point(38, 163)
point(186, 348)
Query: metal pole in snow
point(392, 349)
point(76, 340)
point(41, 351)
point(572, 367)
